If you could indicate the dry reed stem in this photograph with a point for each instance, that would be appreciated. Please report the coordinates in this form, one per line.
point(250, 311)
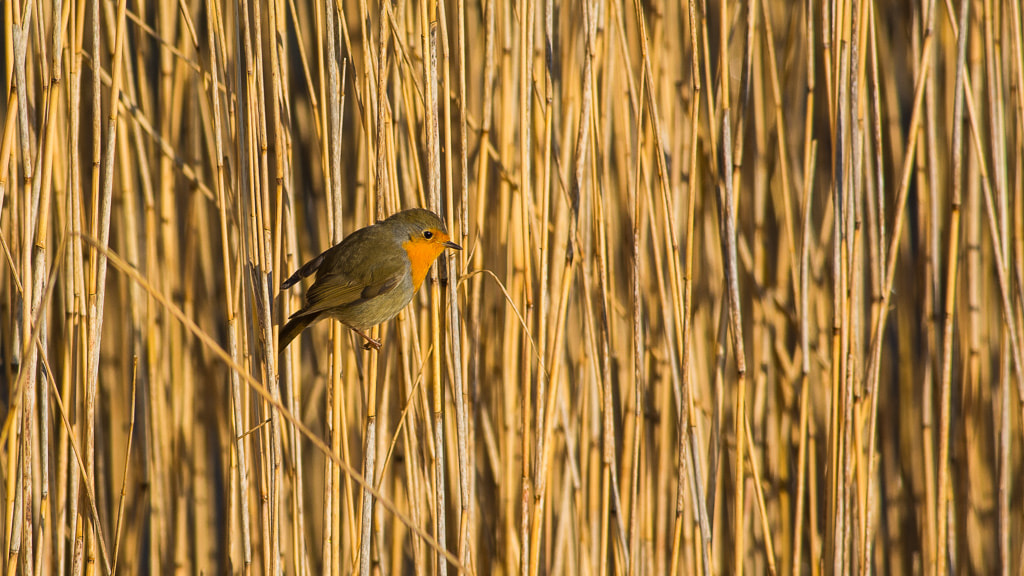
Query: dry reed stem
point(738, 292)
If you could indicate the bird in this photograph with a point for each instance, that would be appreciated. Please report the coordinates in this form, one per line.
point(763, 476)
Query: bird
point(370, 276)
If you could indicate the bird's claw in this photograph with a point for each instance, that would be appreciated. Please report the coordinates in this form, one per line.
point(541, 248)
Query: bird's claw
point(371, 343)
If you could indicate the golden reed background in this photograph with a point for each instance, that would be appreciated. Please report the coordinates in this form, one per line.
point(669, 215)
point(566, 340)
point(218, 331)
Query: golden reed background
point(742, 288)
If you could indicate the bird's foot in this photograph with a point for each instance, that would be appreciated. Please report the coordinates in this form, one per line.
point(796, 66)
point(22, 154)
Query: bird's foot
point(371, 343)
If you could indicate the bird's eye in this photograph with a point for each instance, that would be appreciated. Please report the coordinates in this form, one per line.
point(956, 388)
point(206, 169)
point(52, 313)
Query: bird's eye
point(428, 234)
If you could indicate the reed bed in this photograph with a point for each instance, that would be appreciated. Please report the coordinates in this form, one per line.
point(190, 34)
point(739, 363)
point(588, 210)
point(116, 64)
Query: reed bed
point(742, 288)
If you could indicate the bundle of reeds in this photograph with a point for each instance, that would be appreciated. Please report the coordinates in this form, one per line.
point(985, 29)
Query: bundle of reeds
point(742, 287)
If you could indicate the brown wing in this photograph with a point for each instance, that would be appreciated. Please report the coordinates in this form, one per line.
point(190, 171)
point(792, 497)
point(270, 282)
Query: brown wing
point(307, 269)
point(360, 267)
point(336, 288)
point(345, 257)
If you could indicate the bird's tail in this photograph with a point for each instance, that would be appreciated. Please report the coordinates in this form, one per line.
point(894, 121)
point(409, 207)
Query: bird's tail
point(295, 325)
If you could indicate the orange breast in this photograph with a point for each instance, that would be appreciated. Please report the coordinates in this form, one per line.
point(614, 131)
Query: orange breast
point(422, 254)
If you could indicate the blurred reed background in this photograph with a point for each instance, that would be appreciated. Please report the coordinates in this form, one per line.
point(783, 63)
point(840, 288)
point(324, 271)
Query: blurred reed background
point(742, 287)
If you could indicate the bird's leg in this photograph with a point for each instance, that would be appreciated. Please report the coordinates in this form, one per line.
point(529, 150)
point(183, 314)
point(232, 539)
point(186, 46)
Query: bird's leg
point(370, 342)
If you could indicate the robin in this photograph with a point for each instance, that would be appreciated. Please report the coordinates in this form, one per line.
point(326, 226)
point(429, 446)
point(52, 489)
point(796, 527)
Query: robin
point(368, 277)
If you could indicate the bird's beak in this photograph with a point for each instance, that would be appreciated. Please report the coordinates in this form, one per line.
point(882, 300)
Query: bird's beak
point(453, 245)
